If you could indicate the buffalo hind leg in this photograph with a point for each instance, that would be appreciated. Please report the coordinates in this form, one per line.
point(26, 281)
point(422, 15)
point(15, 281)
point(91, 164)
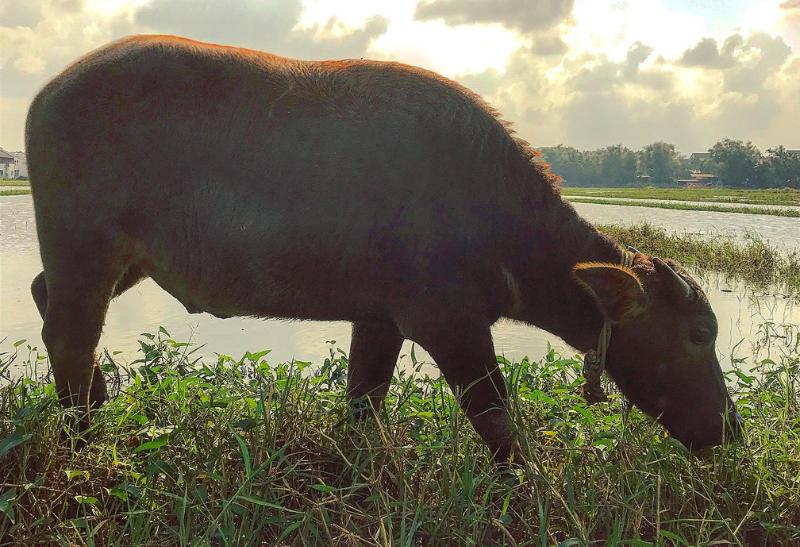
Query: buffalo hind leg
point(77, 299)
point(97, 389)
point(464, 352)
point(373, 355)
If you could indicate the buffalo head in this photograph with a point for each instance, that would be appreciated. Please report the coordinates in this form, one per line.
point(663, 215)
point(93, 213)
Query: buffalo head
point(662, 350)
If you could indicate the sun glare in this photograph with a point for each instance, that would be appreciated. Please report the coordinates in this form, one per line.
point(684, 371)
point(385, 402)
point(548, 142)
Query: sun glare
point(449, 50)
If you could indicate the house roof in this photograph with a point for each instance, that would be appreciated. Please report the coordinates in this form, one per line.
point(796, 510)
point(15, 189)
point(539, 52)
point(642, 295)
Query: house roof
point(5, 155)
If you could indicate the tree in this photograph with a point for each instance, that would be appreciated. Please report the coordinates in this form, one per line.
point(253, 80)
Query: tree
point(576, 167)
point(780, 168)
point(736, 162)
point(617, 166)
point(660, 161)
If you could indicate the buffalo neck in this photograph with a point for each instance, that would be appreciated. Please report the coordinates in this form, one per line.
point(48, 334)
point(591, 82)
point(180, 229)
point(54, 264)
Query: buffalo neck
point(557, 239)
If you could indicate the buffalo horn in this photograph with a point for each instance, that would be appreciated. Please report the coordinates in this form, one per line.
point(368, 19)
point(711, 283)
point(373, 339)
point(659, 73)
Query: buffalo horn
point(632, 249)
point(676, 283)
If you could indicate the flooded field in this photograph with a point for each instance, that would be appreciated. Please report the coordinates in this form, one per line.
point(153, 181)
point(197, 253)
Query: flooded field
point(742, 315)
point(725, 205)
point(782, 232)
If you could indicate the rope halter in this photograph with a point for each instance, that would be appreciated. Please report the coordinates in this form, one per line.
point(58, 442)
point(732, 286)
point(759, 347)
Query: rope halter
point(594, 362)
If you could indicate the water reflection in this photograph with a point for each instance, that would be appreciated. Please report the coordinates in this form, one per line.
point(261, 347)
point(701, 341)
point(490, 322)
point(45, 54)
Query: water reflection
point(144, 308)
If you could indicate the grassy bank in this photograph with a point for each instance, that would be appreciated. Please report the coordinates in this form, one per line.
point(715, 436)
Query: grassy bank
point(769, 196)
point(754, 261)
point(691, 207)
point(13, 187)
point(241, 451)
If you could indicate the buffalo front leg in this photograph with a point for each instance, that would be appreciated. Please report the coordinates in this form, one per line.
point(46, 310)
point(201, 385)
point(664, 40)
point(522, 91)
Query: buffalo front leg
point(373, 355)
point(464, 352)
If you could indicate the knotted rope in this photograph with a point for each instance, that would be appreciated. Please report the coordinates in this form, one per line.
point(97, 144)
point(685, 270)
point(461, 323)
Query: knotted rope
point(594, 362)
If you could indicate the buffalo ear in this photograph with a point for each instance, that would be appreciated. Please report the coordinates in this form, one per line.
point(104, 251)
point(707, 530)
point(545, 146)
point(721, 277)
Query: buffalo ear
point(616, 289)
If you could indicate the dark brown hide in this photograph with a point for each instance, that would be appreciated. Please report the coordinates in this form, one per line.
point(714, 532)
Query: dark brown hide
point(249, 184)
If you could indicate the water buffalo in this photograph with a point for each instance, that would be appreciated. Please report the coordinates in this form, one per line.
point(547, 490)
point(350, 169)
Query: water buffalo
point(382, 194)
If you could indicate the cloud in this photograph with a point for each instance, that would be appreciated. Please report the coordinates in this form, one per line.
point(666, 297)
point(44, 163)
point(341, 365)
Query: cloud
point(47, 36)
point(637, 54)
point(451, 51)
point(595, 120)
point(19, 14)
point(257, 24)
point(248, 23)
point(590, 100)
point(587, 73)
point(746, 63)
point(598, 74)
point(523, 15)
point(549, 45)
point(761, 56)
point(789, 24)
point(705, 54)
point(38, 38)
point(12, 111)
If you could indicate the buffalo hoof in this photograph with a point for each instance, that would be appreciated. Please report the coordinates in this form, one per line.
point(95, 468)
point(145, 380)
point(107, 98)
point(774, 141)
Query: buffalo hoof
point(98, 392)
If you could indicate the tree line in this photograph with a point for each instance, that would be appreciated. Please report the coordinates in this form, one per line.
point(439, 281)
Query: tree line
point(735, 164)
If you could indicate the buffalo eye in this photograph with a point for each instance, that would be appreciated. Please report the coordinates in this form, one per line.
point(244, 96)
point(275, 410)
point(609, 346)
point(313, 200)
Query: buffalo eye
point(701, 336)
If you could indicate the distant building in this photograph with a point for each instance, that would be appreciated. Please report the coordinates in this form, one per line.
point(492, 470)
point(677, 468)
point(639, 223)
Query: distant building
point(699, 180)
point(6, 163)
point(13, 165)
point(20, 164)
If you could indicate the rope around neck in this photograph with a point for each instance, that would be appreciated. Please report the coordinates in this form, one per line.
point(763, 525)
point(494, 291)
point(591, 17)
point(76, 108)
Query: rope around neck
point(594, 362)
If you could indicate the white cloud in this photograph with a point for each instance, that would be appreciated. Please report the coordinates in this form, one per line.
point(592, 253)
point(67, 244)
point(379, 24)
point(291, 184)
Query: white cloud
point(609, 27)
point(352, 14)
point(602, 72)
point(523, 15)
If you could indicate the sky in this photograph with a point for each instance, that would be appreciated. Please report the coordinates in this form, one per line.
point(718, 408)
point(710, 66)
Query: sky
point(584, 73)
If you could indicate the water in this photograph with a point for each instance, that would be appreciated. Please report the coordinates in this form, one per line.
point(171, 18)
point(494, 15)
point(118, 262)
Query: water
point(722, 204)
point(144, 308)
point(782, 232)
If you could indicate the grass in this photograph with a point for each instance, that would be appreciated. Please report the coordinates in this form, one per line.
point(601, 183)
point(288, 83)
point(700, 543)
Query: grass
point(765, 196)
point(754, 261)
point(18, 187)
point(241, 451)
point(691, 207)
